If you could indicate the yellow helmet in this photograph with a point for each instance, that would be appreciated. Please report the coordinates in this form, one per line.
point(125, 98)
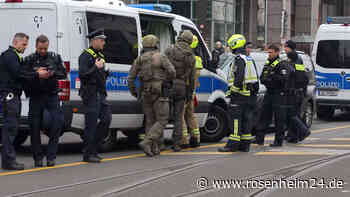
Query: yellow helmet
point(236, 41)
point(194, 42)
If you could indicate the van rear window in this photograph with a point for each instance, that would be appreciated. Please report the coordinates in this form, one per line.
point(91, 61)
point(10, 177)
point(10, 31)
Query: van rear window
point(121, 43)
point(333, 53)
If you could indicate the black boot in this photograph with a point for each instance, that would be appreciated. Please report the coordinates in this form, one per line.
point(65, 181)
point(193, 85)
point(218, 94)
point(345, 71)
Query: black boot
point(244, 146)
point(277, 143)
point(12, 166)
point(259, 140)
point(230, 146)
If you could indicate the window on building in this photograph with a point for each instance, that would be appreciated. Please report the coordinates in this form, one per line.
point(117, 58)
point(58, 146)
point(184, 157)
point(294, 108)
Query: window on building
point(121, 35)
point(333, 54)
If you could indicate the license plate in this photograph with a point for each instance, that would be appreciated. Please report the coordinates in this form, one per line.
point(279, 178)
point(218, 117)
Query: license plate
point(328, 93)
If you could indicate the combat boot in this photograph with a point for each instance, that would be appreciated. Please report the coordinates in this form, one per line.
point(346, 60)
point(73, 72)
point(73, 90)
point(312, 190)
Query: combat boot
point(176, 148)
point(244, 146)
point(195, 141)
point(230, 146)
point(155, 148)
point(146, 146)
point(185, 142)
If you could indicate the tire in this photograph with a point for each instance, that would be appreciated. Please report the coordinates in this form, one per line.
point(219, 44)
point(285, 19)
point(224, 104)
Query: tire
point(308, 114)
point(20, 138)
point(325, 112)
point(215, 127)
point(109, 141)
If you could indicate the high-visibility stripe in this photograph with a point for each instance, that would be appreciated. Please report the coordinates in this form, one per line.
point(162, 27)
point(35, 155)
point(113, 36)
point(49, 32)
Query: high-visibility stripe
point(274, 63)
point(196, 131)
point(18, 55)
point(185, 133)
point(234, 138)
point(142, 136)
point(235, 127)
point(299, 67)
point(246, 137)
point(91, 52)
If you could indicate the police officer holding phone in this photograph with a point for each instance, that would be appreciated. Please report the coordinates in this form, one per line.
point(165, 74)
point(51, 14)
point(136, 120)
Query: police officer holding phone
point(93, 92)
point(11, 81)
point(43, 94)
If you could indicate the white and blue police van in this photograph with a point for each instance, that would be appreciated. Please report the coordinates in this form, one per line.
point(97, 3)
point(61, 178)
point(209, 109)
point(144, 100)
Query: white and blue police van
point(67, 22)
point(331, 55)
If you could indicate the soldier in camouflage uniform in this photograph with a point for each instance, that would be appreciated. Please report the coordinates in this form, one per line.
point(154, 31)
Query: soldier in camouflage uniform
point(155, 73)
point(190, 124)
point(182, 57)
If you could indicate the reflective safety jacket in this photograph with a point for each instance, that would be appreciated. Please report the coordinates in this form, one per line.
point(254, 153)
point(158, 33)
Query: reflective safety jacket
point(243, 76)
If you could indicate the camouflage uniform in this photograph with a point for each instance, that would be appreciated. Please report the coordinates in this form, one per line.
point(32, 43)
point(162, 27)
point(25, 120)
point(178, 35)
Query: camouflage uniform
point(154, 71)
point(190, 124)
point(182, 57)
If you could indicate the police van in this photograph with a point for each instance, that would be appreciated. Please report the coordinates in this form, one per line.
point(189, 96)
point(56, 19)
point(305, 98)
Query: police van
point(331, 54)
point(67, 22)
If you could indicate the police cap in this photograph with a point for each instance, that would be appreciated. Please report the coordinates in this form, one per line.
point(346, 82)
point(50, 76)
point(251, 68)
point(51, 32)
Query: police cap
point(97, 34)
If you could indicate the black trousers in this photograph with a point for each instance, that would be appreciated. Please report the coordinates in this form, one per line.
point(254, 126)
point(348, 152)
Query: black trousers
point(296, 127)
point(37, 105)
point(11, 112)
point(273, 105)
point(98, 117)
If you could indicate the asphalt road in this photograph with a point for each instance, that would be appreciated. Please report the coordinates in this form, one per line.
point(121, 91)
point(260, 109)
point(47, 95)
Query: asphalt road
point(316, 167)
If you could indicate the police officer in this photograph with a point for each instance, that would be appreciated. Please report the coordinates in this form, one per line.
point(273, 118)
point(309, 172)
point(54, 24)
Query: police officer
point(156, 74)
point(190, 122)
point(297, 130)
point(183, 59)
point(93, 92)
point(43, 94)
point(243, 89)
point(275, 99)
point(11, 79)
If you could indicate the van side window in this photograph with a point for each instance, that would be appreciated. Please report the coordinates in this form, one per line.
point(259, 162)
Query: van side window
point(333, 53)
point(201, 49)
point(161, 27)
point(121, 32)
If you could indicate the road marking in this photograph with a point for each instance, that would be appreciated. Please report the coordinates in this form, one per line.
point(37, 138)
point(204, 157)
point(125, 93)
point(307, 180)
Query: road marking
point(189, 149)
point(200, 153)
point(326, 145)
point(329, 129)
point(294, 153)
point(340, 139)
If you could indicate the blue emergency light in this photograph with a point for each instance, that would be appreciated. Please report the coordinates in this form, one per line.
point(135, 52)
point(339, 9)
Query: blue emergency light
point(155, 7)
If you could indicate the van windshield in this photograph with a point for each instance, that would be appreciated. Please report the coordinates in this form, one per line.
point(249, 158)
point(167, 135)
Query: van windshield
point(333, 53)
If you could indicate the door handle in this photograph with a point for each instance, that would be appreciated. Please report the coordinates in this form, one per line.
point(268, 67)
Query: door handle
point(347, 79)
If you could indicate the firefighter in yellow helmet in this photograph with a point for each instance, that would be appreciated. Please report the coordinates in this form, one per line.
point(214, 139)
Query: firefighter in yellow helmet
point(243, 88)
point(190, 123)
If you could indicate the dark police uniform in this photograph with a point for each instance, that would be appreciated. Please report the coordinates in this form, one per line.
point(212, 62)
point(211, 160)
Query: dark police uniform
point(43, 94)
point(93, 93)
point(11, 78)
point(274, 102)
point(297, 130)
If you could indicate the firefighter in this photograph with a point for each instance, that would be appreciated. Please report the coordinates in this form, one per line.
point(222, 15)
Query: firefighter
point(243, 89)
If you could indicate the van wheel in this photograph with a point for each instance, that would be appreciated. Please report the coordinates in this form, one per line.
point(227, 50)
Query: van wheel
point(308, 114)
point(325, 112)
point(109, 141)
point(20, 138)
point(215, 127)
